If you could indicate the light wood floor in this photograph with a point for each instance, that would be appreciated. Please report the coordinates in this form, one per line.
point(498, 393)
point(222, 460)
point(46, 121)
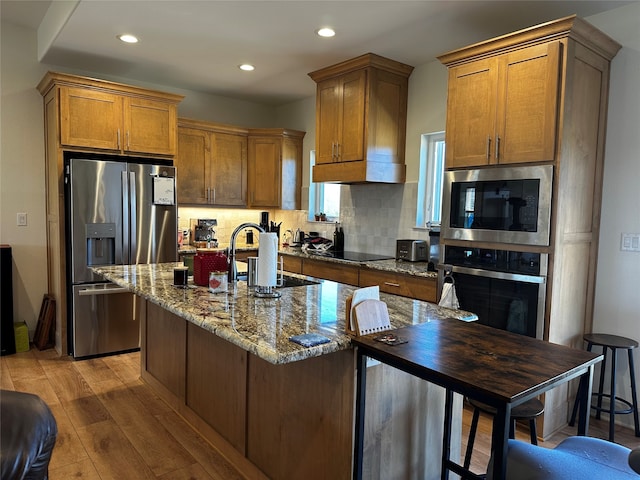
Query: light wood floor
point(112, 426)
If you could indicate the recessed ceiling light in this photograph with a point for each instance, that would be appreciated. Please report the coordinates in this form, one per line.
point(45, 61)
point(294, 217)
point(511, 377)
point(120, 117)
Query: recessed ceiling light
point(246, 67)
point(127, 38)
point(326, 32)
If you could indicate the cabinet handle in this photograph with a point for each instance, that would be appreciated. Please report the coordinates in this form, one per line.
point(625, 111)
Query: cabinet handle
point(118, 139)
point(497, 147)
point(337, 151)
point(333, 151)
point(391, 284)
point(213, 190)
point(128, 142)
point(488, 146)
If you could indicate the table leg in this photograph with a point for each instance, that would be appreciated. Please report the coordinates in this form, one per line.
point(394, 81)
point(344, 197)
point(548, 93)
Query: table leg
point(446, 436)
point(361, 389)
point(499, 440)
point(584, 400)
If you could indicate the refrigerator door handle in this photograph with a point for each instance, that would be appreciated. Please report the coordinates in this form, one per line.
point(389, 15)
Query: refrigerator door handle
point(133, 245)
point(125, 219)
point(102, 291)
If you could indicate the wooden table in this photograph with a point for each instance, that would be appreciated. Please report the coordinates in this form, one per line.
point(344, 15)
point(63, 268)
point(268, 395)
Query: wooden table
point(496, 367)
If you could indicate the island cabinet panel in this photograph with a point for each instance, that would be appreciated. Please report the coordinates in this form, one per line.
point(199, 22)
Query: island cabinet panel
point(217, 395)
point(336, 272)
point(165, 348)
point(411, 286)
point(403, 428)
point(300, 417)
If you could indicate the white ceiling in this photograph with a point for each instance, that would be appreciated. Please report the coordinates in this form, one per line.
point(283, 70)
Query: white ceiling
point(198, 45)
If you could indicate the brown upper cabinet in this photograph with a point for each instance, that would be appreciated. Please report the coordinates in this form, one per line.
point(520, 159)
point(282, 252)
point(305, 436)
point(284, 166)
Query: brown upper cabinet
point(503, 109)
point(361, 116)
point(275, 168)
point(211, 163)
point(106, 116)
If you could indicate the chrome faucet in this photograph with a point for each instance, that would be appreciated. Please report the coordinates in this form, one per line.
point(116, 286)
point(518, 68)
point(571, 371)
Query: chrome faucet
point(233, 273)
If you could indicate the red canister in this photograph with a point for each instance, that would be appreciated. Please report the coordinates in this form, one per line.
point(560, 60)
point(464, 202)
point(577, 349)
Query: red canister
point(207, 261)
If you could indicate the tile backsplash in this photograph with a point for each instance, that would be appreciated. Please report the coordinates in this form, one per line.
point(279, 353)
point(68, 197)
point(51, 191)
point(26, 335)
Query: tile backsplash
point(373, 217)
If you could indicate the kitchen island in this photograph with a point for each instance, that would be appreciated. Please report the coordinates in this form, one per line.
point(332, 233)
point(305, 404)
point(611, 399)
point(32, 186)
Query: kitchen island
point(276, 409)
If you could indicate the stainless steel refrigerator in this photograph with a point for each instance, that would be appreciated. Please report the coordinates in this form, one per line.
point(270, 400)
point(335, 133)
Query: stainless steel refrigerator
point(118, 213)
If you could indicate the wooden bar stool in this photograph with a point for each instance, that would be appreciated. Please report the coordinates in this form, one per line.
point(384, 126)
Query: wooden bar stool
point(529, 410)
point(613, 343)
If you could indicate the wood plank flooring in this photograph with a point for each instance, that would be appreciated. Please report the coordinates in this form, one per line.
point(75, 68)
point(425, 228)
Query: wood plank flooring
point(112, 425)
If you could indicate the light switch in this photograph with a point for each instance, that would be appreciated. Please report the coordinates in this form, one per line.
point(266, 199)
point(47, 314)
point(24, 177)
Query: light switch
point(630, 242)
point(21, 219)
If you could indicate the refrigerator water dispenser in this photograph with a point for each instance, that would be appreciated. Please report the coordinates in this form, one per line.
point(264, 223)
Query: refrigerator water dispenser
point(101, 243)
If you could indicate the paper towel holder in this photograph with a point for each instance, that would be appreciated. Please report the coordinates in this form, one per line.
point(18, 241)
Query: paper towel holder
point(265, 292)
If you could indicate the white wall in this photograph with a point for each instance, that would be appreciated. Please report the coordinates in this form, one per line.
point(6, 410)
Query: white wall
point(22, 170)
point(617, 307)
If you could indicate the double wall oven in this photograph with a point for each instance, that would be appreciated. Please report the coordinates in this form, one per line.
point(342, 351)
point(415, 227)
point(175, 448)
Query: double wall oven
point(494, 238)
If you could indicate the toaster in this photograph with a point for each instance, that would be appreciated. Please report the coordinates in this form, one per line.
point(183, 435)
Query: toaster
point(412, 250)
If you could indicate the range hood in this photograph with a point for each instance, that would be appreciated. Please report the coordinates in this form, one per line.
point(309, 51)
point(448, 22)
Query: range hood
point(361, 171)
point(361, 117)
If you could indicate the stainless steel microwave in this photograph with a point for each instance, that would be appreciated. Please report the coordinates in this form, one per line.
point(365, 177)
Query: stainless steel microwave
point(509, 205)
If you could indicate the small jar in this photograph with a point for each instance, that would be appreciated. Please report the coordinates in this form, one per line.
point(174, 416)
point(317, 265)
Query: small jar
point(217, 282)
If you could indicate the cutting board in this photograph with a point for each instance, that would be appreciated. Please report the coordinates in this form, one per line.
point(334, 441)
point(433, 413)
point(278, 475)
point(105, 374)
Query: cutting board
point(371, 316)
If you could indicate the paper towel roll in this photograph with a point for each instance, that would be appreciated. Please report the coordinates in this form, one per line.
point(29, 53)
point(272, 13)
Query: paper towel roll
point(267, 260)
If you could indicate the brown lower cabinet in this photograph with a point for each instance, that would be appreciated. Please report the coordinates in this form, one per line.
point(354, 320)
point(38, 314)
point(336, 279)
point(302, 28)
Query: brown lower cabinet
point(336, 272)
point(405, 285)
point(411, 286)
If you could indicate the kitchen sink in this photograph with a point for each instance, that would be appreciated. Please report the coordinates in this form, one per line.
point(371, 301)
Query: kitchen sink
point(288, 281)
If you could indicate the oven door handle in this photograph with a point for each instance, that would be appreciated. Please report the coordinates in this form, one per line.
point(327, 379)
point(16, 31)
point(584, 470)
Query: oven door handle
point(516, 277)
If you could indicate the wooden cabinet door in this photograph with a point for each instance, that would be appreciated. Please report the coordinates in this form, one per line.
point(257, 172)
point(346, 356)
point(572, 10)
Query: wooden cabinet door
point(150, 126)
point(471, 113)
point(291, 174)
point(193, 165)
point(264, 171)
point(411, 286)
point(90, 119)
point(327, 120)
point(336, 272)
point(351, 117)
point(229, 169)
point(528, 107)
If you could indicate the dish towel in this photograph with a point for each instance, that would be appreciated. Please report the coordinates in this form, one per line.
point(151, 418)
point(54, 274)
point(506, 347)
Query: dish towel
point(449, 298)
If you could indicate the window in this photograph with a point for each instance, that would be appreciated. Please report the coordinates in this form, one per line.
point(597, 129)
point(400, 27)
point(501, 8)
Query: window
point(323, 197)
point(429, 209)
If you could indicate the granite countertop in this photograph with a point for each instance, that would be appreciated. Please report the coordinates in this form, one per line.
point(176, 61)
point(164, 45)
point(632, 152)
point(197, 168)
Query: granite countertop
point(418, 269)
point(262, 326)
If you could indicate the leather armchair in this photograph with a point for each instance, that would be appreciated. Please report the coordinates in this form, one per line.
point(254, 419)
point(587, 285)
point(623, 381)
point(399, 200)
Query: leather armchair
point(28, 434)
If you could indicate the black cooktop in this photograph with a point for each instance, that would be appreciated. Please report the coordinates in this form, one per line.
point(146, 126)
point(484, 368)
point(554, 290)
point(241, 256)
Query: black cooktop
point(352, 256)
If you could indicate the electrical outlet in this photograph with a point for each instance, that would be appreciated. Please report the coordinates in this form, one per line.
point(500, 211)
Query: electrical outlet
point(630, 242)
point(21, 219)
